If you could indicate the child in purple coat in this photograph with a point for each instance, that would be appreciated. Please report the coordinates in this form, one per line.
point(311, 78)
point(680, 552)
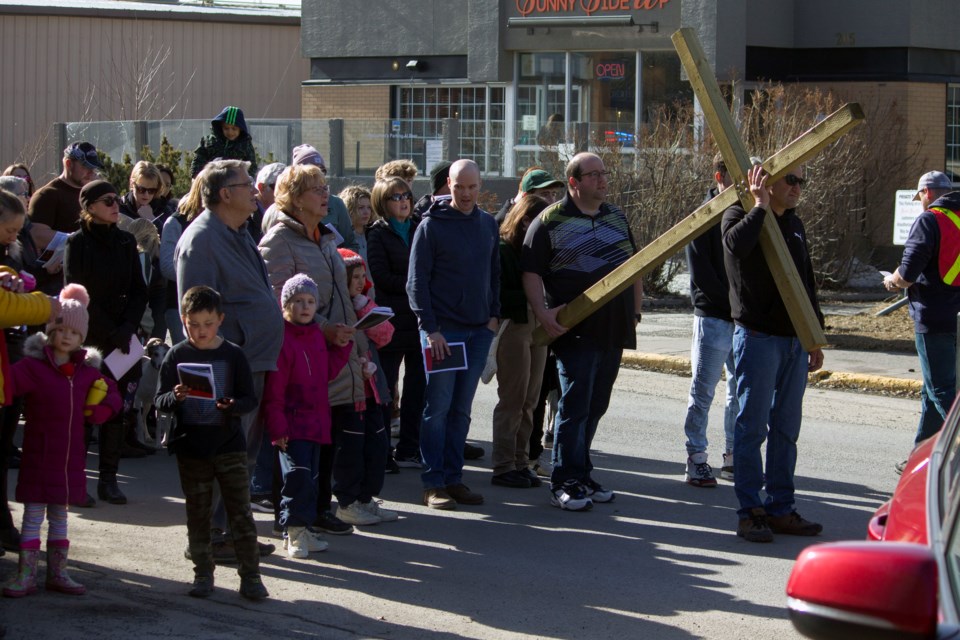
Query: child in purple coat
point(62, 387)
point(296, 409)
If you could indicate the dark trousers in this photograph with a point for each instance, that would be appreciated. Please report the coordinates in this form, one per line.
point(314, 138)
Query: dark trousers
point(551, 382)
point(411, 400)
point(197, 476)
point(9, 418)
point(113, 432)
point(352, 468)
point(300, 464)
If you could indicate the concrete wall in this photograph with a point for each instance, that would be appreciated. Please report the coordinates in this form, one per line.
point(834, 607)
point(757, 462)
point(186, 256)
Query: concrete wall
point(67, 68)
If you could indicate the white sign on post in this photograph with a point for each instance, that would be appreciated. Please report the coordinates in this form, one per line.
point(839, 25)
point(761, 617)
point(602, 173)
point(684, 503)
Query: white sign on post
point(905, 212)
point(529, 123)
point(434, 153)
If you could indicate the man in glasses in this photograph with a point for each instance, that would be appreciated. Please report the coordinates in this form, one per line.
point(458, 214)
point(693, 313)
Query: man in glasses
point(771, 364)
point(568, 248)
point(928, 271)
point(56, 205)
point(266, 184)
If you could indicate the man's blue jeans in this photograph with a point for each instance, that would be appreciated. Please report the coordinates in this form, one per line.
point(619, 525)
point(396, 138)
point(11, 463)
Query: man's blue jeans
point(711, 351)
point(586, 375)
point(938, 366)
point(771, 380)
point(448, 401)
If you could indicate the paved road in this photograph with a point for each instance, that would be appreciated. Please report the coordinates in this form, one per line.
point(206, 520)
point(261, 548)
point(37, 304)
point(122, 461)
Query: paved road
point(661, 562)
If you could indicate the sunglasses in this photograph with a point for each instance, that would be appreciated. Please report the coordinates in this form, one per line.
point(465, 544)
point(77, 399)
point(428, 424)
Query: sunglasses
point(794, 181)
point(398, 197)
point(109, 200)
point(150, 191)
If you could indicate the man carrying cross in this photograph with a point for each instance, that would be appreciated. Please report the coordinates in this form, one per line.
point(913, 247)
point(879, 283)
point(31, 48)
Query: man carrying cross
point(771, 364)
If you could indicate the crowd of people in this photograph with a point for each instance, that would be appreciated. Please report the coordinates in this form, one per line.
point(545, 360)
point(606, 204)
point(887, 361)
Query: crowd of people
point(290, 311)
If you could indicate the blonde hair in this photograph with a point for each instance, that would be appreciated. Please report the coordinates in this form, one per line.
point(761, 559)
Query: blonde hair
point(191, 205)
point(147, 171)
point(406, 170)
point(148, 240)
point(351, 197)
point(294, 182)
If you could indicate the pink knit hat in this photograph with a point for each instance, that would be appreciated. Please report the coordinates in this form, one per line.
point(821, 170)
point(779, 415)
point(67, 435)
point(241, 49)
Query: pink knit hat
point(74, 300)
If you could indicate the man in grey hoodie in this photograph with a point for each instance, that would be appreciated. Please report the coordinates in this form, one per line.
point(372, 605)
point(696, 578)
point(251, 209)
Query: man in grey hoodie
point(454, 288)
point(217, 251)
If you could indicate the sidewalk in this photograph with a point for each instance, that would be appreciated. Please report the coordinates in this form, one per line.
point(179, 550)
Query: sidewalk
point(663, 344)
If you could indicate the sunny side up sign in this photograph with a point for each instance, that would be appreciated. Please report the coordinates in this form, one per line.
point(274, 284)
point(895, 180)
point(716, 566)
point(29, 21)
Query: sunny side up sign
point(585, 7)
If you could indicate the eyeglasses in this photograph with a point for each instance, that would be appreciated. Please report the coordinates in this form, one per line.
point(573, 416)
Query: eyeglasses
point(595, 174)
point(109, 200)
point(324, 188)
point(150, 191)
point(794, 181)
point(398, 197)
point(245, 185)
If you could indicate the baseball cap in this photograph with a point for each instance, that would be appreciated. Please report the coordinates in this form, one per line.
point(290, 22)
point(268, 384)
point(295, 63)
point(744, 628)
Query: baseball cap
point(269, 174)
point(84, 152)
point(933, 180)
point(538, 179)
point(307, 154)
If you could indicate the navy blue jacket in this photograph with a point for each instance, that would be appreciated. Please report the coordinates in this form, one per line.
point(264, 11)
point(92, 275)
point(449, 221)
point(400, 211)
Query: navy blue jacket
point(454, 278)
point(933, 303)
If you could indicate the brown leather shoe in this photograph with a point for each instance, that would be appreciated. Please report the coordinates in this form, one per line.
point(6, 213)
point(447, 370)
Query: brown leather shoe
point(755, 527)
point(793, 524)
point(438, 499)
point(462, 494)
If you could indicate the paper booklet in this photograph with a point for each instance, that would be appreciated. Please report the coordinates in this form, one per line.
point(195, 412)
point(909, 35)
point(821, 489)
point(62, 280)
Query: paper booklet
point(53, 254)
point(119, 363)
point(376, 316)
point(456, 361)
point(199, 377)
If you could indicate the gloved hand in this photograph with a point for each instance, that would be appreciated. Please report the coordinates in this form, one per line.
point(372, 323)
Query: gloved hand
point(360, 301)
point(97, 413)
point(120, 339)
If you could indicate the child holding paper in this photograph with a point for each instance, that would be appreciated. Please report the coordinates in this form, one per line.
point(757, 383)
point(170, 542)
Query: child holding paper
point(61, 383)
point(209, 442)
point(368, 478)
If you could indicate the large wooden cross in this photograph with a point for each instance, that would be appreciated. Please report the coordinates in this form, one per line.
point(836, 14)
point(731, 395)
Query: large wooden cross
point(737, 161)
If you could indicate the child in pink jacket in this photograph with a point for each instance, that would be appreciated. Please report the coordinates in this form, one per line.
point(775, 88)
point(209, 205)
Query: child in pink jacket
point(62, 387)
point(367, 510)
point(297, 411)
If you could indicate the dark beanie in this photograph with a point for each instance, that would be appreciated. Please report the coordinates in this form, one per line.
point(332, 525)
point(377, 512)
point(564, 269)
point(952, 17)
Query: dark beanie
point(93, 191)
point(439, 175)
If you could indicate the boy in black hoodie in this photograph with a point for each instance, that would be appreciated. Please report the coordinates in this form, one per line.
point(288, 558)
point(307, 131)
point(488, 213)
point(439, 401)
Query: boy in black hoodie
point(230, 140)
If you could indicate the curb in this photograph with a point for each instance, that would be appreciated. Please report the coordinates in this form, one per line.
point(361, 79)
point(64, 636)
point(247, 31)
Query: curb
point(826, 379)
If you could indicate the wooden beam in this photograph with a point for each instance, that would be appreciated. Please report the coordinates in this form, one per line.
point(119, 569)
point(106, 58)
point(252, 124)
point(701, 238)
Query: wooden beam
point(805, 147)
point(794, 294)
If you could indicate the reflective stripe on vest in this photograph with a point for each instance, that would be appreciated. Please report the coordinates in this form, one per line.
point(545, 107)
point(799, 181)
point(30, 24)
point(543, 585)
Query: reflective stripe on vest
point(949, 259)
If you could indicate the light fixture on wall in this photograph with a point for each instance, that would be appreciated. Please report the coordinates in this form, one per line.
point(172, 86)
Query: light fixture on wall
point(395, 65)
point(414, 65)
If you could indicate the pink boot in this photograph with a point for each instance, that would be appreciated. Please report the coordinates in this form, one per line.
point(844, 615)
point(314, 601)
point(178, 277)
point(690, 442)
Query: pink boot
point(26, 581)
point(57, 577)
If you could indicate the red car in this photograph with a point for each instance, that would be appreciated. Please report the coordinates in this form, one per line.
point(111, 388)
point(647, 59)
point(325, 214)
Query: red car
point(904, 582)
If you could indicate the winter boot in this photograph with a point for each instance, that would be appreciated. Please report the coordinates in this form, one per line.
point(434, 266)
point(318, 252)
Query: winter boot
point(57, 577)
point(109, 490)
point(26, 581)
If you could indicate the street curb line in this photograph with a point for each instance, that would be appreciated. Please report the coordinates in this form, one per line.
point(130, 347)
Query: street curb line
point(823, 378)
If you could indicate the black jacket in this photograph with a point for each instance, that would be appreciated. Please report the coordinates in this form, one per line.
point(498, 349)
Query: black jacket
point(755, 301)
point(388, 259)
point(709, 289)
point(104, 259)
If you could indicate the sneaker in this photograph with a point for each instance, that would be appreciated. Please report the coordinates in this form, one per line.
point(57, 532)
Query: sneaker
point(354, 513)
point(531, 475)
point(793, 524)
point(900, 467)
point(542, 466)
point(202, 587)
point(412, 461)
point(726, 471)
point(462, 494)
point(315, 541)
point(699, 473)
point(438, 498)
point(755, 528)
point(295, 543)
point(392, 467)
point(513, 479)
point(251, 588)
point(329, 523)
point(572, 496)
point(385, 515)
point(596, 492)
point(261, 504)
point(472, 452)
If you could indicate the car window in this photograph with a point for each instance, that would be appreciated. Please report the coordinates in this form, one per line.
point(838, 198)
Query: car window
point(950, 467)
